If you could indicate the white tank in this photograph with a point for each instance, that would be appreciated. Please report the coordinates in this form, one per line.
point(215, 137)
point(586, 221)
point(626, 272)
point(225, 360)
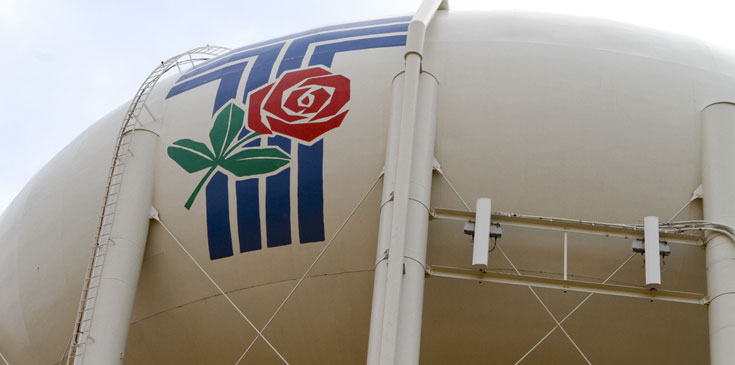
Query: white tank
point(547, 115)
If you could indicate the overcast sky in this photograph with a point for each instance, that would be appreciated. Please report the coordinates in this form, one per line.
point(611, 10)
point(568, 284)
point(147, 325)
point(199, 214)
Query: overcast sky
point(66, 63)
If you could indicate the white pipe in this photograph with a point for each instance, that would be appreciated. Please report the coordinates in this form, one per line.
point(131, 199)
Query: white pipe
point(384, 336)
point(412, 294)
point(718, 181)
point(118, 284)
point(386, 216)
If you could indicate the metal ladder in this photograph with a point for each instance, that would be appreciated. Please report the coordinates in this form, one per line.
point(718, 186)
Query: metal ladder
point(131, 121)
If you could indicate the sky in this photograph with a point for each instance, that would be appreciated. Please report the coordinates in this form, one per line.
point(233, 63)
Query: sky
point(65, 64)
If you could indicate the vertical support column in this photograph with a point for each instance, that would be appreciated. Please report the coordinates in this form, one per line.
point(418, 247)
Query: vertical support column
point(118, 284)
point(718, 181)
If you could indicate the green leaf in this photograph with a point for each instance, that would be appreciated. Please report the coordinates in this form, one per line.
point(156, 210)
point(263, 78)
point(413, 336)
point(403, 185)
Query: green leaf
point(256, 161)
point(226, 127)
point(191, 161)
point(196, 146)
point(260, 152)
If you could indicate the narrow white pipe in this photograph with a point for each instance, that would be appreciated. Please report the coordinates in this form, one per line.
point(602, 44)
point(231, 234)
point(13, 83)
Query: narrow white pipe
point(718, 181)
point(412, 295)
point(384, 230)
point(565, 255)
point(116, 294)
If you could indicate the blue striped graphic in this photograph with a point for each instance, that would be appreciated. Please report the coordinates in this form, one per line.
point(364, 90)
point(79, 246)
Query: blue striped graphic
point(311, 192)
point(324, 54)
point(248, 215)
point(278, 201)
point(218, 218)
point(229, 80)
point(240, 53)
point(228, 70)
point(248, 212)
point(297, 50)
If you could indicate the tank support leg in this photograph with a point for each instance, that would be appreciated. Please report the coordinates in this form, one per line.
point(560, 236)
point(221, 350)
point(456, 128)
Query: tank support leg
point(114, 305)
point(718, 181)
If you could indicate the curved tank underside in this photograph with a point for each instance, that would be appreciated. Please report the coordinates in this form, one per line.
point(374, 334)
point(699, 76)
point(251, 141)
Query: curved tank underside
point(547, 115)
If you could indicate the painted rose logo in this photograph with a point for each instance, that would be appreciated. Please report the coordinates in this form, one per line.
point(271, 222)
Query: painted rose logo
point(301, 104)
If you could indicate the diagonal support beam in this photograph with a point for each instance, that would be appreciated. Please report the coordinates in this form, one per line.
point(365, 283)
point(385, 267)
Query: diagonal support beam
point(558, 324)
point(313, 263)
point(572, 311)
point(154, 216)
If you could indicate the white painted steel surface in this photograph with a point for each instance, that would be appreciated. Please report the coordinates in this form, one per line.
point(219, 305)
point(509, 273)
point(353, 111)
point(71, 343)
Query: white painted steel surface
point(718, 180)
point(549, 115)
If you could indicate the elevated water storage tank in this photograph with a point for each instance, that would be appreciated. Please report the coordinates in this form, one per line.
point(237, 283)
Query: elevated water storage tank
point(264, 154)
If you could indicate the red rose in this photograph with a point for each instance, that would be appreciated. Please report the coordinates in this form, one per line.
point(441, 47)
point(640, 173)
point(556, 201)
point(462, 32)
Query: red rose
point(302, 104)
